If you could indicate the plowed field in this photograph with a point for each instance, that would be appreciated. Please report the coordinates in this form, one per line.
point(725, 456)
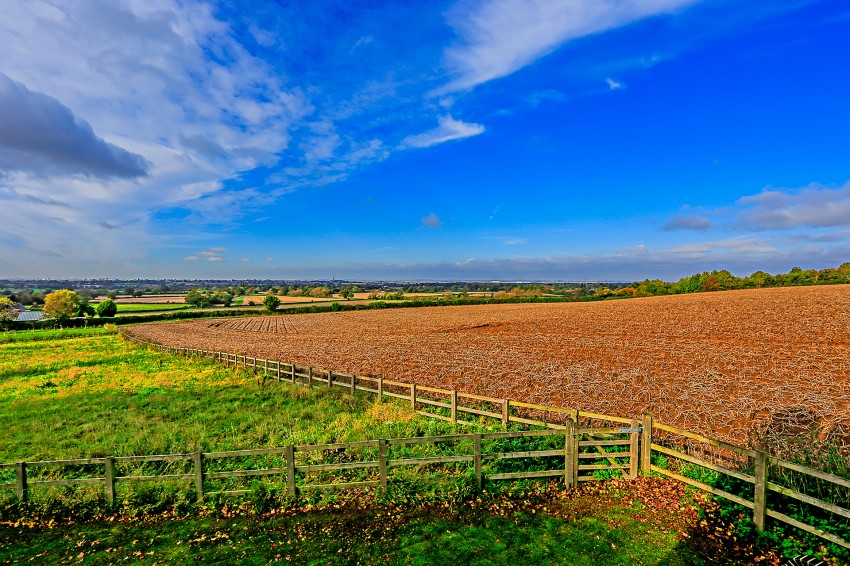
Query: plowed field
point(730, 364)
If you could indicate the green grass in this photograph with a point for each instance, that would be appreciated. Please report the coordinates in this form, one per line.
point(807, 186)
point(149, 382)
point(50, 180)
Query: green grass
point(124, 308)
point(575, 531)
point(52, 334)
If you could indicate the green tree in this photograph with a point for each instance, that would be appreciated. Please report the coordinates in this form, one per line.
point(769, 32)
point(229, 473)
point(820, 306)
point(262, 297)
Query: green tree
point(61, 304)
point(7, 311)
point(106, 308)
point(271, 302)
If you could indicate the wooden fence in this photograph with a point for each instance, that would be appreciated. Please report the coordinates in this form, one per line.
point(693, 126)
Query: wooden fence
point(575, 460)
point(611, 448)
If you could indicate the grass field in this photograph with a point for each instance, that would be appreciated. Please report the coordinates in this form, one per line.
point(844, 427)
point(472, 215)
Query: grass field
point(90, 393)
point(612, 527)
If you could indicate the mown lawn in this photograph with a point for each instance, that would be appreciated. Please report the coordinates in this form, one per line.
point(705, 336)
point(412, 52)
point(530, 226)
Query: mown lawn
point(124, 308)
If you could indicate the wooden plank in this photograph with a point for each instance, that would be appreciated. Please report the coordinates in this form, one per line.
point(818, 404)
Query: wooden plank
point(606, 456)
point(808, 528)
point(155, 478)
point(21, 481)
point(586, 467)
point(522, 420)
point(704, 487)
point(347, 485)
point(623, 442)
point(241, 453)
point(701, 438)
point(601, 417)
point(476, 460)
point(529, 454)
point(290, 471)
point(703, 463)
point(339, 466)
point(433, 415)
point(154, 458)
point(336, 446)
point(527, 475)
point(246, 473)
point(454, 406)
point(198, 461)
point(522, 433)
point(77, 481)
point(109, 482)
point(646, 444)
point(433, 403)
point(431, 439)
point(540, 407)
point(604, 431)
point(434, 390)
point(808, 499)
point(396, 395)
point(367, 389)
point(569, 457)
point(74, 462)
point(634, 449)
point(809, 471)
point(479, 412)
point(382, 462)
point(478, 397)
point(434, 460)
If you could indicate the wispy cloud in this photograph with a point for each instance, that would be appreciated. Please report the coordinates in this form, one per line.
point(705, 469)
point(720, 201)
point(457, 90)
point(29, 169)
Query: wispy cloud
point(431, 221)
point(212, 254)
point(688, 222)
point(448, 129)
point(498, 37)
point(614, 85)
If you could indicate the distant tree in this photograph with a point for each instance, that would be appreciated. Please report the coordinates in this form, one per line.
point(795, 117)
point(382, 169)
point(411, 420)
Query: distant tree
point(85, 309)
point(62, 304)
point(112, 294)
point(106, 308)
point(129, 291)
point(271, 302)
point(138, 293)
point(7, 311)
point(197, 298)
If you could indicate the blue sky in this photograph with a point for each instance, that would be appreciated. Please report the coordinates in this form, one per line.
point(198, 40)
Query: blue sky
point(479, 139)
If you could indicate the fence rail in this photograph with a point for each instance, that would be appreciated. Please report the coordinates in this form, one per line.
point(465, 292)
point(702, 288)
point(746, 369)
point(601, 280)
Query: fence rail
point(581, 444)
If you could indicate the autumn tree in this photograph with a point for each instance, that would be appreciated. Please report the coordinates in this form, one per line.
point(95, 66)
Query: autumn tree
point(62, 304)
point(271, 302)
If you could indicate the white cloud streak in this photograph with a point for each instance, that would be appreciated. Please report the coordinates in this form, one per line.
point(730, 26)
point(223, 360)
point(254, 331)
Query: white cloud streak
point(448, 129)
point(814, 206)
point(499, 37)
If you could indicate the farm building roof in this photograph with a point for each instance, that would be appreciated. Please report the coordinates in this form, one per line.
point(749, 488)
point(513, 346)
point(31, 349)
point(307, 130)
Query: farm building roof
point(30, 316)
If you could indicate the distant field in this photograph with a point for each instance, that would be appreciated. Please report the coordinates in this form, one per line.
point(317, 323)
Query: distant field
point(258, 299)
point(175, 298)
point(149, 307)
point(731, 364)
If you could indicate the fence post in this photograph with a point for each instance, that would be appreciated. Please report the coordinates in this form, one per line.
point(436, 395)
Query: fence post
point(506, 407)
point(413, 396)
point(380, 390)
point(21, 477)
point(454, 406)
point(476, 459)
point(293, 372)
point(634, 449)
point(575, 439)
point(277, 366)
point(310, 377)
point(382, 462)
point(568, 454)
point(646, 444)
point(353, 384)
point(760, 494)
point(289, 452)
point(109, 481)
point(330, 378)
point(198, 459)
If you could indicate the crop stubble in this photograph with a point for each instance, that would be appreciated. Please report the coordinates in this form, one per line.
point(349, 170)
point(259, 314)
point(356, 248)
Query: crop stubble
point(736, 365)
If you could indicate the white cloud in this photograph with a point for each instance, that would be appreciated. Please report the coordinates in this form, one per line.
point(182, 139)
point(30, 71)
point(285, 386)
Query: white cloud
point(431, 221)
point(815, 206)
point(449, 129)
point(614, 85)
point(499, 37)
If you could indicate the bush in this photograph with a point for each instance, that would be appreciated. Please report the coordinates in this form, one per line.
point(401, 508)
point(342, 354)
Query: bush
point(106, 308)
point(271, 302)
